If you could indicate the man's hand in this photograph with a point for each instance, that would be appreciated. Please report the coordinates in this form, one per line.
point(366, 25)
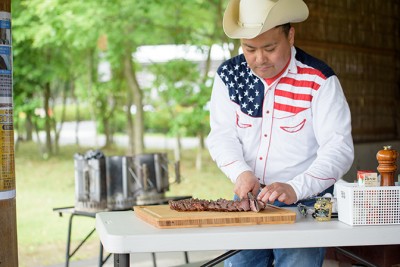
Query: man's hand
point(246, 182)
point(278, 191)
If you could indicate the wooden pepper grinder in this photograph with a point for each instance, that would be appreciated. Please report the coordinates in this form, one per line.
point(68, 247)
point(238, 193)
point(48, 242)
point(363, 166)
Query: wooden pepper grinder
point(387, 165)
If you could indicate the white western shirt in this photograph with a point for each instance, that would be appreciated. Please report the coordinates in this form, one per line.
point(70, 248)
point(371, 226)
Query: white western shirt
point(296, 130)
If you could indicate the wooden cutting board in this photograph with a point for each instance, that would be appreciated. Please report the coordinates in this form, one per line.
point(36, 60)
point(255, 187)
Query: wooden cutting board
point(162, 216)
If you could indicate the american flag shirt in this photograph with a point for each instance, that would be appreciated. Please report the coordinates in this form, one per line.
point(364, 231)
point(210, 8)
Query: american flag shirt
point(296, 130)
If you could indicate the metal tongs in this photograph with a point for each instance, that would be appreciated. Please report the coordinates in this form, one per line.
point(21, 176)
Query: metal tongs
point(254, 200)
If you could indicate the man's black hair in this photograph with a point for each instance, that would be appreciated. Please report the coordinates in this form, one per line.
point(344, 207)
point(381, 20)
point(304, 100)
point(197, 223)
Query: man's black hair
point(285, 28)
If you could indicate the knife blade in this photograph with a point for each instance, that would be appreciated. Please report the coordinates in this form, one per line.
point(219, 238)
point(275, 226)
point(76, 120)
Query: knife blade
point(253, 200)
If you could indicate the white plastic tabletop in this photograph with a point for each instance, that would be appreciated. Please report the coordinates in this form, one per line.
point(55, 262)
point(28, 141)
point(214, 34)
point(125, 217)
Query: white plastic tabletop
point(123, 233)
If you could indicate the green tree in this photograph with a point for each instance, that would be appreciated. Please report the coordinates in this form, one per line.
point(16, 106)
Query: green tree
point(176, 85)
point(59, 39)
point(53, 39)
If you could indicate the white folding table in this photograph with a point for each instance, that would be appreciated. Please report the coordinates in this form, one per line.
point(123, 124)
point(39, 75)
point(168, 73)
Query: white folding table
point(122, 233)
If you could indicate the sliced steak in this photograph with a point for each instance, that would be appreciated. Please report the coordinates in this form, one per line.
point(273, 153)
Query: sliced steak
point(195, 204)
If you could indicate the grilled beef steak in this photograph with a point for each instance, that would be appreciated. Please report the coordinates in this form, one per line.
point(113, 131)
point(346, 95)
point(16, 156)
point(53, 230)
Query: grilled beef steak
point(195, 204)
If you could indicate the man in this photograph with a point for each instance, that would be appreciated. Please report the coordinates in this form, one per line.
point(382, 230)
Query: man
point(280, 123)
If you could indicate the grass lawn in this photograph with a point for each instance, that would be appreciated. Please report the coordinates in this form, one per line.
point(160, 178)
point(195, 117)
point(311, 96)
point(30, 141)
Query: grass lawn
point(46, 184)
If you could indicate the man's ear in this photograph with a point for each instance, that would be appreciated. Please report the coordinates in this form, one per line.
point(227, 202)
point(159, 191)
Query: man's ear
point(291, 36)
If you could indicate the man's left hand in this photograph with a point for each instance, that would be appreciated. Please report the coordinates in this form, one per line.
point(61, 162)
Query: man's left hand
point(278, 191)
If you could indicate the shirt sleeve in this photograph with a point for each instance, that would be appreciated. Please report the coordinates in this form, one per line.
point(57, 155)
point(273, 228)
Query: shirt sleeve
point(223, 142)
point(332, 128)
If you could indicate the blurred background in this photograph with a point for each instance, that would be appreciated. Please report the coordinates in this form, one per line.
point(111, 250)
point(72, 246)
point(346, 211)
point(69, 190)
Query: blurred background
point(128, 77)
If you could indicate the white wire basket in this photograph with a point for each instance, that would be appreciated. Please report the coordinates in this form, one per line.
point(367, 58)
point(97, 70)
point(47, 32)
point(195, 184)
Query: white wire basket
point(368, 205)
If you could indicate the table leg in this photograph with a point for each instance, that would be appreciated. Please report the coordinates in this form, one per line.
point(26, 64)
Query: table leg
point(103, 260)
point(153, 256)
point(220, 258)
point(67, 256)
point(186, 257)
point(68, 253)
point(121, 260)
point(101, 255)
point(355, 257)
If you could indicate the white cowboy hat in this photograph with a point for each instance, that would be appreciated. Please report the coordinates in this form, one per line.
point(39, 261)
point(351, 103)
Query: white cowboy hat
point(249, 18)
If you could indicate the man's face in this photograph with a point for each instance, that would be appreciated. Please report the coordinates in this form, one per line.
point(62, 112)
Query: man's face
point(268, 53)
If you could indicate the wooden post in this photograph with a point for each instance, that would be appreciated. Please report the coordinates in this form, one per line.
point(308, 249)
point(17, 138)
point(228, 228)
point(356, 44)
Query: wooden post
point(8, 217)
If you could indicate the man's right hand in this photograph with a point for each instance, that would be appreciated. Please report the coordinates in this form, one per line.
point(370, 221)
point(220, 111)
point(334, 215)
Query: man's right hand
point(246, 182)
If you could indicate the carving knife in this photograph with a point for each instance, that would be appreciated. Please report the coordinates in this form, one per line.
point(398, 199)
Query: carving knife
point(253, 200)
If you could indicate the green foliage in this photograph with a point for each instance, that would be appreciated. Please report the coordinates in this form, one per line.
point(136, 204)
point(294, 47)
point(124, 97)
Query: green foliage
point(156, 121)
point(117, 123)
point(55, 43)
point(70, 113)
point(59, 44)
point(176, 82)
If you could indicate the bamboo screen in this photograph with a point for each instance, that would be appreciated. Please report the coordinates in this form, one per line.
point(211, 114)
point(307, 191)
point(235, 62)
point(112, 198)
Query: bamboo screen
point(360, 40)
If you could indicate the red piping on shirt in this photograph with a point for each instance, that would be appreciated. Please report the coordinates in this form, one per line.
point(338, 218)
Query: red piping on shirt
point(242, 125)
point(320, 178)
point(230, 163)
point(293, 129)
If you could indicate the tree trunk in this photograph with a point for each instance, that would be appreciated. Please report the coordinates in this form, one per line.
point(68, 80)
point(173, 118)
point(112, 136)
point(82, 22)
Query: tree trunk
point(28, 127)
point(178, 147)
point(235, 50)
point(42, 150)
point(47, 126)
point(107, 131)
point(131, 125)
point(133, 85)
point(57, 132)
point(91, 96)
point(207, 65)
point(200, 149)
point(200, 134)
point(77, 116)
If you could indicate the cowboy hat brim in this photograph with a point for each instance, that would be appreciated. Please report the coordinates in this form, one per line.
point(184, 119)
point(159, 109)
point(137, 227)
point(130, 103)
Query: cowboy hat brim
point(281, 12)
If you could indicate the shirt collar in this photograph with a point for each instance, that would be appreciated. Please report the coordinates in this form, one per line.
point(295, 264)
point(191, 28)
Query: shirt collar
point(292, 68)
